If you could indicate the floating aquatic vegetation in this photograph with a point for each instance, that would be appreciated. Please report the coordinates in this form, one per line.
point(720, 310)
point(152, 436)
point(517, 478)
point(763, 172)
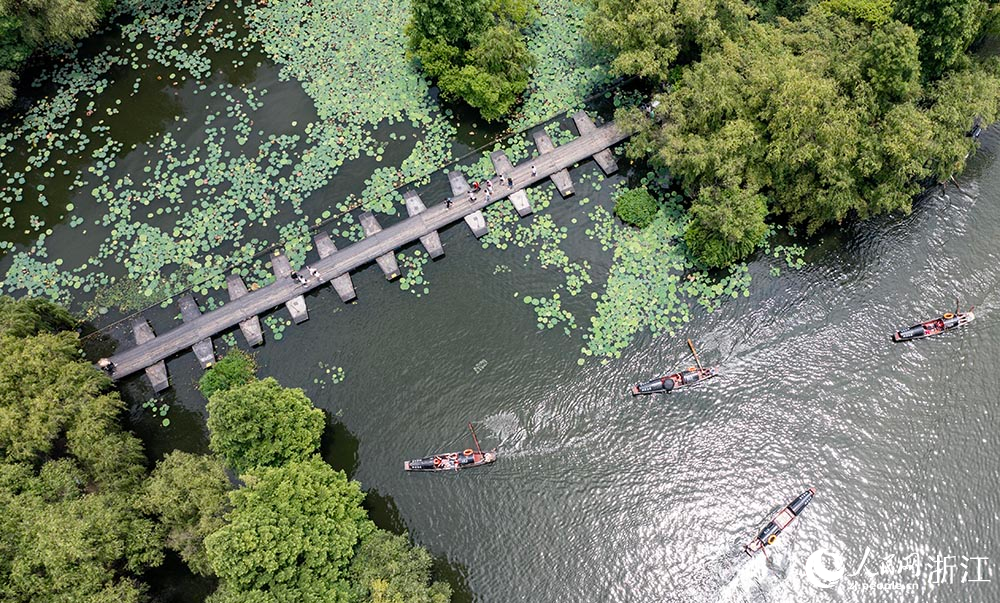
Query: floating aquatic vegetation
point(276, 325)
point(652, 283)
point(330, 375)
point(412, 268)
point(794, 255)
point(158, 409)
point(550, 312)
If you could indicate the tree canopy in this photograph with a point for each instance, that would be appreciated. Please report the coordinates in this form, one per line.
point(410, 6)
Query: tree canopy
point(190, 494)
point(475, 50)
point(69, 475)
point(82, 520)
point(291, 532)
point(841, 113)
point(27, 26)
point(650, 37)
point(636, 206)
point(261, 423)
point(386, 569)
point(234, 369)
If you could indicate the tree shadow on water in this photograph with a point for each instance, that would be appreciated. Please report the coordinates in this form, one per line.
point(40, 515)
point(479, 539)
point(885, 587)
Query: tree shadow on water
point(339, 447)
point(382, 510)
point(456, 575)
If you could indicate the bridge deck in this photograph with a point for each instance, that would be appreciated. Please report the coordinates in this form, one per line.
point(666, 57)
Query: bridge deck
point(519, 198)
point(244, 309)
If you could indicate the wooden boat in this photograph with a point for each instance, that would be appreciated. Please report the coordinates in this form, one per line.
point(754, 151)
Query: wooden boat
point(936, 326)
point(779, 522)
point(669, 383)
point(453, 460)
point(685, 378)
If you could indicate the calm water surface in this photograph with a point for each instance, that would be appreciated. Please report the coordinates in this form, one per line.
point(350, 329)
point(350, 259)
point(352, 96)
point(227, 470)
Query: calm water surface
point(599, 496)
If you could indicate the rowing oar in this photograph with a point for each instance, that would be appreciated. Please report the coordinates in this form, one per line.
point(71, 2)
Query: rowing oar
point(475, 439)
point(693, 351)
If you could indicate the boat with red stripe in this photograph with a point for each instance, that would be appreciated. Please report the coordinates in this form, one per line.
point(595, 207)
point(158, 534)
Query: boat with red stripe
point(935, 326)
point(685, 378)
point(453, 461)
point(780, 522)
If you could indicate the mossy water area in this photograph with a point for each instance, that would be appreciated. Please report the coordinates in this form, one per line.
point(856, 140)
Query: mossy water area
point(190, 140)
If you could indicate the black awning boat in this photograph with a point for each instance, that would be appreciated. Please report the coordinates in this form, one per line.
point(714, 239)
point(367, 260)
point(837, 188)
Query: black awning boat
point(453, 460)
point(935, 326)
point(685, 378)
point(669, 383)
point(780, 522)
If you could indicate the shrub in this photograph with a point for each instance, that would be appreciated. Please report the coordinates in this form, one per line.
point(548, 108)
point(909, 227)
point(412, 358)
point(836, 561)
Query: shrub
point(236, 368)
point(636, 206)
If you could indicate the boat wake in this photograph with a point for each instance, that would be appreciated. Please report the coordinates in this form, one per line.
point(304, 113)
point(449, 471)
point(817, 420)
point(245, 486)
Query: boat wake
point(742, 578)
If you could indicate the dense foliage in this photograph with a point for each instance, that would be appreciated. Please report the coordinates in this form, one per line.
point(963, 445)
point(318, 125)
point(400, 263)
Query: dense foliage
point(636, 206)
point(69, 476)
point(474, 50)
point(296, 531)
point(650, 37)
point(235, 368)
point(291, 533)
point(844, 112)
point(189, 493)
point(263, 424)
point(82, 519)
point(29, 25)
point(386, 569)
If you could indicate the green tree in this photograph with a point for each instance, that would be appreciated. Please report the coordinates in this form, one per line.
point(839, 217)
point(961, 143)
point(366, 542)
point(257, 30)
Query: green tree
point(726, 227)
point(386, 569)
point(455, 22)
point(27, 26)
point(32, 315)
point(234, 369)
point(81, 547)
point(43, 385)
point(649, 37)
point(261, 423)
point(189, 494)
point(636, 206)
point(876, 12)
point(475, 51)
point(891, 64)
point(946, 29)
point(825, 117)
point(69, 476)
point(291, 532)
point(495, 75)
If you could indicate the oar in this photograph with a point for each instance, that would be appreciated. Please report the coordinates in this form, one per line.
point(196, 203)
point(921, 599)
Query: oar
point(695, 352)
point(475, 439)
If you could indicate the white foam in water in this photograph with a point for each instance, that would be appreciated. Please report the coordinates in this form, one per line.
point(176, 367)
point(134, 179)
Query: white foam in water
point(747, 580)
